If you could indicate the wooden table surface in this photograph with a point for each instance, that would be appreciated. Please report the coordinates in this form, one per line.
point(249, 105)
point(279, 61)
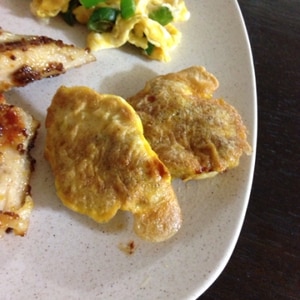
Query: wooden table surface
point(266, 261)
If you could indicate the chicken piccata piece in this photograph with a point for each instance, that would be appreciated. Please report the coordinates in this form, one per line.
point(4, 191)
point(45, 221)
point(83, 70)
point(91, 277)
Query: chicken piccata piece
point(193, 134)
point(25, 58)
point(102, 163)
point(17, 134)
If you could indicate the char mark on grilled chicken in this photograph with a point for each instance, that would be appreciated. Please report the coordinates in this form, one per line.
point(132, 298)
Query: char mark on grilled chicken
point(17, 134)
point(25, 58)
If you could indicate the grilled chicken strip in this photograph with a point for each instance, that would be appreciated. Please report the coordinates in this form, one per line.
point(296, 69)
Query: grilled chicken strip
point(102, 163)
point(194, 135)
point(17, 133)
point(25, 58)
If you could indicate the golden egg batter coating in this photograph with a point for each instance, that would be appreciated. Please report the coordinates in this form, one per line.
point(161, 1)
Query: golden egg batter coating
point(102, 162)
point(195, 135)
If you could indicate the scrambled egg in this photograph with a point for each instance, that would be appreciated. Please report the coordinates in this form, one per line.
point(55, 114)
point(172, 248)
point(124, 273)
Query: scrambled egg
point(102, 162)
point(48, 8)
point(141, 30)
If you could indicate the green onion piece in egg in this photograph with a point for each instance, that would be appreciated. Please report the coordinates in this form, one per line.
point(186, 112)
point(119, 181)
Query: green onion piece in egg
point(149, 49)
point(68, 16)
point(162, 15)
point(90, 3)
point(127, 8)
point(103, 19)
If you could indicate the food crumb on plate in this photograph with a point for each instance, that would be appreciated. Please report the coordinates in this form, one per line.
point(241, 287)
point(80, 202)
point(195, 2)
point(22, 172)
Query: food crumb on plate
point(128, 248)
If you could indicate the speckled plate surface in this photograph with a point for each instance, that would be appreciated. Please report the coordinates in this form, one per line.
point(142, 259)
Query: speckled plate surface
point(68, 256)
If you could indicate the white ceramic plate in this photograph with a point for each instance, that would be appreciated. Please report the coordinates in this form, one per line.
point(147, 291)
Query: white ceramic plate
point(68, 256)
